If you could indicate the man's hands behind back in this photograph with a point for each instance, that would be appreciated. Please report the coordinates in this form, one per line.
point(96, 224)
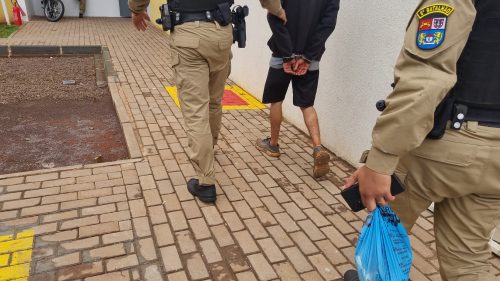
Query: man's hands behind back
point(296, 67)
point(301, 67)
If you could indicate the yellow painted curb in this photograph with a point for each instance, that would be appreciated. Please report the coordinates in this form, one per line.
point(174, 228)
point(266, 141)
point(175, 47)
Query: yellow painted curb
point(252, 102)
point(15, 255)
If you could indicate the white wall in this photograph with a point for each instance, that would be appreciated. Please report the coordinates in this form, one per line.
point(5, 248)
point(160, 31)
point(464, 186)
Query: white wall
point(27, 7)
point(94, 8)
point(355, 72)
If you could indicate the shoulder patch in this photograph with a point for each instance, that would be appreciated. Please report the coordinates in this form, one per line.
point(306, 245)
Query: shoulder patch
point(432, 24)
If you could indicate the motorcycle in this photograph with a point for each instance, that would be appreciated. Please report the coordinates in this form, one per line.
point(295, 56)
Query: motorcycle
point(53, 9)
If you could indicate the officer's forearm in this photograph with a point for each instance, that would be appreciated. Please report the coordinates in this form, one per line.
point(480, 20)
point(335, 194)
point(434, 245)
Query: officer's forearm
point(138, 6)
point(381, 162)
point(423, 78)
point(409, 115)
point(273, 6)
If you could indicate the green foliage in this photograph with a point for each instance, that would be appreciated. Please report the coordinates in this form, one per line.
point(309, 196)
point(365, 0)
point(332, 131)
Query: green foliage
point(6, 30)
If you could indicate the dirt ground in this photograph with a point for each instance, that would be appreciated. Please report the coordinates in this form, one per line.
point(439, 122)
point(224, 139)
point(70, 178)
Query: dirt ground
point(45, 124)
point(33, 78)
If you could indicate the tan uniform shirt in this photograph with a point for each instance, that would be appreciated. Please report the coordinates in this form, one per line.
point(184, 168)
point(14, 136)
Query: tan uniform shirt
point(138, 6)
point(273, 6)
point(423, 78)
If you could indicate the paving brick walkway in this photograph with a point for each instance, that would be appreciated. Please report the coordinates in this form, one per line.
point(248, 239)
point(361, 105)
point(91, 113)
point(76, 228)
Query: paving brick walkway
point(135, 220)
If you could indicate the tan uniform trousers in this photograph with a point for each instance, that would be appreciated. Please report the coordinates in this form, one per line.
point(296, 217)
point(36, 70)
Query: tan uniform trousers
point(461, 174)
point(82, 6)
point(201, 55)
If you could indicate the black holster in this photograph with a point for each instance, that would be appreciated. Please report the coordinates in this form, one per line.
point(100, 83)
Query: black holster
point(442, 115)
point(223, 14)
point(166, 19)
point(239, 25)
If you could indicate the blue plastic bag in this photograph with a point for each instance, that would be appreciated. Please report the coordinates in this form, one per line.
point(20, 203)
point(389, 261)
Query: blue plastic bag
point(383, 251)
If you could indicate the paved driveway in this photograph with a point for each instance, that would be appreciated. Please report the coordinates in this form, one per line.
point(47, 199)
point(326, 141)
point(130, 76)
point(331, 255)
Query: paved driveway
point(134, 219)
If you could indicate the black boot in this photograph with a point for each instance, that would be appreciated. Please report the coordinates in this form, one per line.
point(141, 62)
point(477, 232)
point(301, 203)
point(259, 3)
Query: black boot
point(206, 193)
point(351, 275)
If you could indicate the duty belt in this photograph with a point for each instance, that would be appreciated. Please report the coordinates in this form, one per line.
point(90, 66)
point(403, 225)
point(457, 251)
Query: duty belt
point(484, 117)
point(207, 16)
point(488, 118)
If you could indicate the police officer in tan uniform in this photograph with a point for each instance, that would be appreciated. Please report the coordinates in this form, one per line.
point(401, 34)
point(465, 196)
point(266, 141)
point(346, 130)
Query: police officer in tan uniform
point(82, 7)
point(440, 132)
point(201, 58)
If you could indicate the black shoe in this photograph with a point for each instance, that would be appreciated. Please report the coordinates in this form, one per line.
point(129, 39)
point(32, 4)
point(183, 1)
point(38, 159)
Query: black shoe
point(206, 193)
point(351, 275)
point(80, 16)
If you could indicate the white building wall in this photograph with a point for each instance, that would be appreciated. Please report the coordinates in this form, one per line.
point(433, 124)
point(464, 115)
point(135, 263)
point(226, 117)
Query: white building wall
point(94, 8)
point(26, 6)
point(355, 72)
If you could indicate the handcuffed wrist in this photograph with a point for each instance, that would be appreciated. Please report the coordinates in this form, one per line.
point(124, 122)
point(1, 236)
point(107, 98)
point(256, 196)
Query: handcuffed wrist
point(306, 59)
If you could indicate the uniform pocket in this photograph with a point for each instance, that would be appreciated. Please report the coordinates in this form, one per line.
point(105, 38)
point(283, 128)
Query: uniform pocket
point(448, 152)
point(225, 48)
point(186, 42)
point(174, 57)
point(224, 45)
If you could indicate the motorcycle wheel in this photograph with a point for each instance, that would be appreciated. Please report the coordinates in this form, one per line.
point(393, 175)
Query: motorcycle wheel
point(54, 10)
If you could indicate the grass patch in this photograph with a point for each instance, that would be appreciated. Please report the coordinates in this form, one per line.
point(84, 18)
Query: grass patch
point(6, 30)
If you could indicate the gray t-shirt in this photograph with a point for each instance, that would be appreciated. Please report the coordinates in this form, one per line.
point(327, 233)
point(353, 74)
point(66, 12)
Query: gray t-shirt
point(277, 63)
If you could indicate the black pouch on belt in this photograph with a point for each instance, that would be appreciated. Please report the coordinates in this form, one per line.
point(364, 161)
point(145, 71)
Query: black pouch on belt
point(442, 115)
point(223, 14)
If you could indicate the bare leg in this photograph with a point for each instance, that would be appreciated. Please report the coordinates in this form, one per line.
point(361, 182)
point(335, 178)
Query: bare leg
point(312, 124)
point(276, 118)
point(321, 157)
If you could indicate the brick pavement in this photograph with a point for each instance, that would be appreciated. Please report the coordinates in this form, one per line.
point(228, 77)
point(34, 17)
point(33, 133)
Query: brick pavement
point(135, 220)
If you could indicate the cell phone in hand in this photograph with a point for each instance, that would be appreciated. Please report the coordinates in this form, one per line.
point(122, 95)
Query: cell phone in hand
point(353, 197)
